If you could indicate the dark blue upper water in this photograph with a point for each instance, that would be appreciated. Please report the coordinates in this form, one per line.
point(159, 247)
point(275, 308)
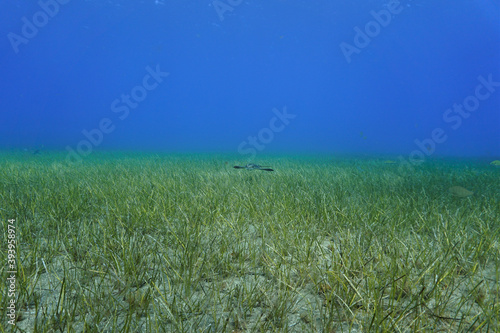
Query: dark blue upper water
point(416, 78)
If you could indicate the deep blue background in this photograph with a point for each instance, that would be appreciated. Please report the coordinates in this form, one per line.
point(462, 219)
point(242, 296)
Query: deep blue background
point(227, 75)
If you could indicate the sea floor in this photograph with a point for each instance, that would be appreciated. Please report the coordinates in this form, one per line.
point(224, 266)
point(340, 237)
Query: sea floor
point(187, 243)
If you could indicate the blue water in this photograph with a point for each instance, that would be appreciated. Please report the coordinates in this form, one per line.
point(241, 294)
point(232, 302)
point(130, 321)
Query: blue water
point(369, 77)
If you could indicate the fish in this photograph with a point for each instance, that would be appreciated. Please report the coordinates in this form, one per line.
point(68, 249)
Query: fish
point(460, 192)
point(252, 166)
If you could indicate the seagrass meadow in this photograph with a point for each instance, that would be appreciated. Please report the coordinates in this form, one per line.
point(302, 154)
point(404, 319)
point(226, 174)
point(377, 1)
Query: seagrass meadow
point(135, 242)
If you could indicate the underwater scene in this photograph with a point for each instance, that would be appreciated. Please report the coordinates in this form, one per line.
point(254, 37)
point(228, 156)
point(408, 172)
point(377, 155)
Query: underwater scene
point(250, 166)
